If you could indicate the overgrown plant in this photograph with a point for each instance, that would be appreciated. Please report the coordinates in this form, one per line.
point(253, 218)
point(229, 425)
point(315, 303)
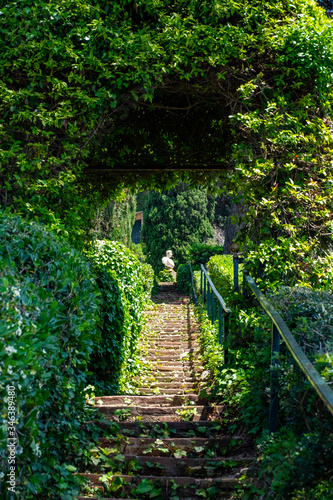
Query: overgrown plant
point(125, 286)
point(243, 384)
point(48, 323)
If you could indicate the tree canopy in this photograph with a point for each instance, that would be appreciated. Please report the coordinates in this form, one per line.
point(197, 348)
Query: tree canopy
point(175, 219)
point(91, 87)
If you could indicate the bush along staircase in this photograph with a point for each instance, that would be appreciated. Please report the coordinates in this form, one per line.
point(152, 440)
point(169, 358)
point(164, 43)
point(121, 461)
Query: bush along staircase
point(169, 442)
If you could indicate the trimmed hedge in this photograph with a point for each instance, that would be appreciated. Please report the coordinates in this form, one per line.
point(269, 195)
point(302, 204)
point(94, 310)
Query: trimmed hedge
point(126, 286)
point(165, 276)
point(200, 253)
point(221, 271)
point(184, 278)
point(48, 325)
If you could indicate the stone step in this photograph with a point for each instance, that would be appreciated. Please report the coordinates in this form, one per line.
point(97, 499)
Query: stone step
point(173, 391)
point(172, 385)
point(175, 378)
point(162, 413)
point(163, 357)
point(173, 362)
point(143, 401)
point(187, 485)
point(181, 428)
point(197, 467)
point(171, 377)
point(193, 446)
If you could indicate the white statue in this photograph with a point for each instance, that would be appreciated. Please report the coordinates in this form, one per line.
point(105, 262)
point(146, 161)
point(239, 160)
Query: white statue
point(167, 261)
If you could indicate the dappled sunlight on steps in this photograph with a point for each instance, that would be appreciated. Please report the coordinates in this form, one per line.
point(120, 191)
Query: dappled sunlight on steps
point(172, 445)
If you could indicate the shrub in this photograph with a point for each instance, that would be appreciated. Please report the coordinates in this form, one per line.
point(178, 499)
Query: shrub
point(148, 277)
point(221, 271)
point(184, 278)
point(165, 276)
point(125, 285)
point(292, 465)
point(289, 262)
point(309, 314)
point(174, 220)
point(48, 323)
point(200, 253)
point(244, 383)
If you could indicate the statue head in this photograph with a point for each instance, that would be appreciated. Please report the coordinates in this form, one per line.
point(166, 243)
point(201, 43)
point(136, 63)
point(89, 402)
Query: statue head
point(169, 253)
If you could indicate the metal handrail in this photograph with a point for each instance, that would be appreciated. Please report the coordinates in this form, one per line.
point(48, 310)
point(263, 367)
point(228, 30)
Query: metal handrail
point(209, 294)
point(280, 327)
point(218, 296)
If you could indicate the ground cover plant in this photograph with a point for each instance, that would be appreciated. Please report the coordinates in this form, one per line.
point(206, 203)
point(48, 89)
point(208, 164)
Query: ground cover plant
point(48, 321)
point(125, 284)
point(296, 462)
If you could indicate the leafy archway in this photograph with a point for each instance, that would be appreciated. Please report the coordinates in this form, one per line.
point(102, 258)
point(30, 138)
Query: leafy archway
point(98, 95)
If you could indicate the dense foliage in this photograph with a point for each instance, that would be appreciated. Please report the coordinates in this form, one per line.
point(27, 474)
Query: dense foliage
point(200, 253)
point(247, 86)
point(165, 276)
point(244, 384)
point(48, 328)
point(115, 221)
point(173, 221)
point(184, 278)
point(125, 285)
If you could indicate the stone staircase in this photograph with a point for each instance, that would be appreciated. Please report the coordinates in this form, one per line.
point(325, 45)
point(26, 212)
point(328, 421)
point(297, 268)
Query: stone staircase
point(171, 445)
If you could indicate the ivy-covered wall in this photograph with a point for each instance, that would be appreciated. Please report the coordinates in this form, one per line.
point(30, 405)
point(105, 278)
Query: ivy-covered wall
point(66, 321)
point(115, 221)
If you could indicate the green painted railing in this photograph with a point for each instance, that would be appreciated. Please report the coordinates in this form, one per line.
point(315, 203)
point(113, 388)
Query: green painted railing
point(279, 329)
point(210, 297)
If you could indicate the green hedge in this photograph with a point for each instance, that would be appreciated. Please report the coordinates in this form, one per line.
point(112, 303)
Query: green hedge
point(200, 253)
point(126, 286)
point(48, 325)
point(184, 278)
point(165, 276)
point(221, 271)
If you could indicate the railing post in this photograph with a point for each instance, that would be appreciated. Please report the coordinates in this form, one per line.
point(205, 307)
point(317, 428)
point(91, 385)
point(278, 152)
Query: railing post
point(235, 260)
point(213, 308)
point(274, 404)
point(208, 298)
point(220, 325)
point(226, 332)
point(201, 281)
point(204, 287)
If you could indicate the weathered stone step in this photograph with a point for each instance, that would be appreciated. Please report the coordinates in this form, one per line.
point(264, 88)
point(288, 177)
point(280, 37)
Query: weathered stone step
point(163, 357)
point(187, 485)
point(195, 467)
point(169, 392)
point(182, 428)
point(172, 385)
point(196, 446)
point(170, 377)
point(168, 368)
point(163, 413)
point(161, 350)
point(154, 401)
point(172, 363)
point(175, 378)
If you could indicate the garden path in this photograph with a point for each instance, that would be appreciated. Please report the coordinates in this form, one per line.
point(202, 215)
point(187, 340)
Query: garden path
point(173, 444)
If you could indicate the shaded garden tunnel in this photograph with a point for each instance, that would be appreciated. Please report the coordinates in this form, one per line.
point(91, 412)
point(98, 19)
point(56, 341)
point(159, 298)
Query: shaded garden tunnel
point(144, 95)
